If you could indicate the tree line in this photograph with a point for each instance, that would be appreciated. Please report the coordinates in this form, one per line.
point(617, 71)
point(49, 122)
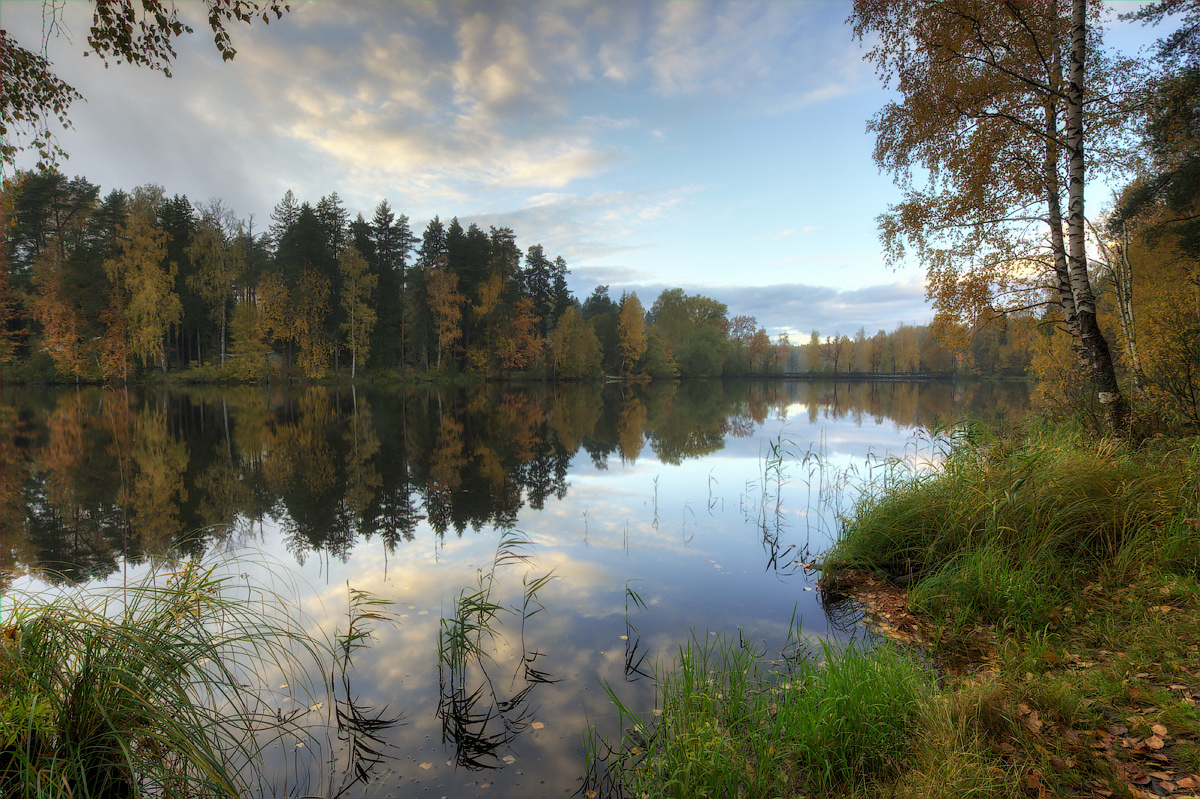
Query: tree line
point(99, 288)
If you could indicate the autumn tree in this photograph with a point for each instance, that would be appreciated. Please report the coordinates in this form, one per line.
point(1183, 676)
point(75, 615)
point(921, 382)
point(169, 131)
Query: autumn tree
point(631, 333)
point(308, 327)
point(835, 350)
point(813, 350)
point(520, 346)
point(574, 348)
point(358, 289)
point(61, 323)
point(148, 278)
point(445, 308)
point(991, 117)
point(760, 350)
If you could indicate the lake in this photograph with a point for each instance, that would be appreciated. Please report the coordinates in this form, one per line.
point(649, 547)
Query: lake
point(652, 511)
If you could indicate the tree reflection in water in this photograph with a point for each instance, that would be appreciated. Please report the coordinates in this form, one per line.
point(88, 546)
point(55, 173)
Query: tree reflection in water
point(93, 476)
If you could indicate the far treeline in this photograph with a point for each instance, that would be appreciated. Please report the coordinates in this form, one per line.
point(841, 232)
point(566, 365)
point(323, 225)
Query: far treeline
point(104, 289)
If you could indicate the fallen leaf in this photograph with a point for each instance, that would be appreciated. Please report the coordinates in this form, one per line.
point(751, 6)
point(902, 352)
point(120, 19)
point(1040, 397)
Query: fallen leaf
point(537, 725)
point(1154, 742)
point(1058, 764)
point(426, 766)
point(1186, 783)
point(509, 759)
point(1118, 729)
point(1159, 730)
point(1159, 775)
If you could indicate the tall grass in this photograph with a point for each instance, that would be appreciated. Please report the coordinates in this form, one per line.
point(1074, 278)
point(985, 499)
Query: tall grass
point(1011, 527)
point(152, 689)
point(733, 724)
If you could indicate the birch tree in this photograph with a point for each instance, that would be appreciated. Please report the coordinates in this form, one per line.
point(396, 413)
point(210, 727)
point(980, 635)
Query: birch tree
point(994, 101)
point(149, 279)
point(219, 264)
point(358, 289)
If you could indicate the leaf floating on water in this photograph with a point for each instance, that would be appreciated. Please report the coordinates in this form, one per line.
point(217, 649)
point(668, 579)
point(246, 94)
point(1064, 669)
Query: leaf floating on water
point(509, 759)
point(427, 766)
point(285, 685)
point(537, 725)
point(317, 706)
point(590, 794)
point(300, 745)
point(624, 637)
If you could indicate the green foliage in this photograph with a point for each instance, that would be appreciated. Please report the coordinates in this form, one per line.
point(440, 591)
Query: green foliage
point(733, 725)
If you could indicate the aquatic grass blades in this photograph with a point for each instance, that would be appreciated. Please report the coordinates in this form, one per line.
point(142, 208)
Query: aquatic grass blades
point(470, 702)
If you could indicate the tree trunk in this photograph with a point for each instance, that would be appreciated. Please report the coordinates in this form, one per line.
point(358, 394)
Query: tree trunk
point(224, 314)
point(1095, 347)
point(1058, 247)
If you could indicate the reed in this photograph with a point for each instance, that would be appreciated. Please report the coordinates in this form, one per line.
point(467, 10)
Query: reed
point(164, 687)
point(148, 689)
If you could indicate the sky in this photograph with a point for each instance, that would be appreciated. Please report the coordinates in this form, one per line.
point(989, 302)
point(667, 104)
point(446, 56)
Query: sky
point(720, 147)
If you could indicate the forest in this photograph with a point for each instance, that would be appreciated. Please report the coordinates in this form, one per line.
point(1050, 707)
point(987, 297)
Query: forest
point(115, 288)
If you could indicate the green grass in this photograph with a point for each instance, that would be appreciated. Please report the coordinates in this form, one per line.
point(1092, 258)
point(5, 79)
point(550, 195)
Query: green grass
point(1011, 528)
point(732, 724)
point(152, 689)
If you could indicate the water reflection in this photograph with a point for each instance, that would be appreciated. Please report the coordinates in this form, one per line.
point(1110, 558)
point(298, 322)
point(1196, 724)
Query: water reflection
point(94, 475)
point(658, 510)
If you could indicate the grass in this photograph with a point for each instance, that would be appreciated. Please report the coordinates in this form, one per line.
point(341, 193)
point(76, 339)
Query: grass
point(1013, 527)
point(158, 688)
point(1056, 582)
point(732, 724)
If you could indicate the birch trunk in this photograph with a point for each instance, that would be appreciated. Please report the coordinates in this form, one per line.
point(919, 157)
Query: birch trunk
point(1095, 347)
point(1066, 299)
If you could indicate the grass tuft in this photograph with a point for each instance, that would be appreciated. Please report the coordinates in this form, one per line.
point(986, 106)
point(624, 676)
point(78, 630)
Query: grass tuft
point(159, 688)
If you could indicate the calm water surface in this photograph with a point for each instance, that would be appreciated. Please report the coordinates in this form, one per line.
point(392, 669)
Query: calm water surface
point(657, 510)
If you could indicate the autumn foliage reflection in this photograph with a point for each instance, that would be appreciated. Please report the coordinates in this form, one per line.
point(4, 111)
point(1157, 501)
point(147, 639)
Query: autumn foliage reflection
point(93, 475)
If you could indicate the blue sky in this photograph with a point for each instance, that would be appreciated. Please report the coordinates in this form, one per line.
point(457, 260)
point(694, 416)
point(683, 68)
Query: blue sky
point(720, 147)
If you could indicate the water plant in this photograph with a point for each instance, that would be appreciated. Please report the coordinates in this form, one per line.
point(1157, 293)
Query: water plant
point(476, 719)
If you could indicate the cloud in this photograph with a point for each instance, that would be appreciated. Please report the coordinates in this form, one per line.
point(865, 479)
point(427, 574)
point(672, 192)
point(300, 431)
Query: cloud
point(793, 307)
